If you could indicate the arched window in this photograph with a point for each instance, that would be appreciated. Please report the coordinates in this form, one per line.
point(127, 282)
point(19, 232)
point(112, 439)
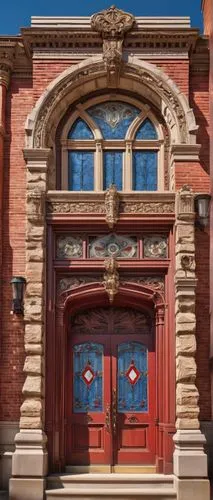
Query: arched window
point(112, 142)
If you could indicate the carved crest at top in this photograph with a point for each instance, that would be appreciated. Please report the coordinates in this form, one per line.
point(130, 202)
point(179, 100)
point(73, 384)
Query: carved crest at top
point(112, 199)
point(112, 22)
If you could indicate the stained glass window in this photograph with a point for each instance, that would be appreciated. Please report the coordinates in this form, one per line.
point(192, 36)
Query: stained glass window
point(113, 169)
point(132, 377)
point(113, 245)
point(80, 130)
point(146, 131)
point(80, 170)
point(69, 247)
point(155, 247)
point(144, 176)
point(113, 118)
point(88, 377)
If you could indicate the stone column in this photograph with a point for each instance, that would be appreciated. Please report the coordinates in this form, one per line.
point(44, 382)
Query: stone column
point(190, 461)
point(29, 465)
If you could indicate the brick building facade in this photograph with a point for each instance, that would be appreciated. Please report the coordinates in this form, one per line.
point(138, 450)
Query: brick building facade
point(104, 146)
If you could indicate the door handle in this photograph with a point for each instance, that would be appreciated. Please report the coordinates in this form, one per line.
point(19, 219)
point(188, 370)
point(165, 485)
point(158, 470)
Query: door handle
point(114, 410)
point(107, 419)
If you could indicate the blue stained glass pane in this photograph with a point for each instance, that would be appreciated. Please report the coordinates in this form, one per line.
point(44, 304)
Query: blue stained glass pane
point(80, 130)
point(132, 377)
point(113, 169)
point(145, 170)
point(113, 118)
point(146, 131)
point(80, 170)
point(87, 377)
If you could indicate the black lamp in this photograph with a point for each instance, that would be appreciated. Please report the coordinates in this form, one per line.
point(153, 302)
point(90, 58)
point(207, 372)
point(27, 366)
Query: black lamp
point(202, 203)
point(18, 286)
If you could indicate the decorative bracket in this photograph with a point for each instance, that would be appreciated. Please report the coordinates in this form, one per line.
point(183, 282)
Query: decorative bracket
point(112, 199)
point(112, 23)
point(111, 278)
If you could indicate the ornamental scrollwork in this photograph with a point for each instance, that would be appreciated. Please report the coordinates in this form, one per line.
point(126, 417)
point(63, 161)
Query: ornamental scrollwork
point(111, 278)
point(112, 24)
point(112, 205)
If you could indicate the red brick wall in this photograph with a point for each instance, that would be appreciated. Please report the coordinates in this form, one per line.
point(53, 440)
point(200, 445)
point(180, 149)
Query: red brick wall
point(19, 104)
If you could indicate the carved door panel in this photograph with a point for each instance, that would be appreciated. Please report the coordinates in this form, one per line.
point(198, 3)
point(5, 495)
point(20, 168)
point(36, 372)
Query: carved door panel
point(88, 423)
point(133, 393)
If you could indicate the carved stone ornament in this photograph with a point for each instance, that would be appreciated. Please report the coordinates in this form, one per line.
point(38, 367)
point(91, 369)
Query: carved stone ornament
point(112, 24)
point(112, 206)
point(111, 278)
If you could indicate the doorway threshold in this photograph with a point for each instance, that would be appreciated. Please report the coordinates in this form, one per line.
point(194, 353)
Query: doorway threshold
point(110, 469)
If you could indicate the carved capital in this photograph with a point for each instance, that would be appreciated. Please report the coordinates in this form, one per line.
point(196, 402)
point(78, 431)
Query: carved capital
point(185, 203)
point(112, 205)
point(111, 278)
point(112, 24)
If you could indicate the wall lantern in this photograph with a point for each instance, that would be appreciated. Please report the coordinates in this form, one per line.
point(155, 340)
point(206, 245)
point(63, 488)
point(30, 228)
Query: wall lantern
point(202, 203)
point(18, 286)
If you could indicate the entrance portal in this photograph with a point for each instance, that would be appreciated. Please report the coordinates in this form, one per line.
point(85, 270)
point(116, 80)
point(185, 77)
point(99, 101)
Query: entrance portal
point(111, 389)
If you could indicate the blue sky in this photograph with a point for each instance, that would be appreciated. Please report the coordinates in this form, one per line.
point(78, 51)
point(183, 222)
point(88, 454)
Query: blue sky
point(16, 13)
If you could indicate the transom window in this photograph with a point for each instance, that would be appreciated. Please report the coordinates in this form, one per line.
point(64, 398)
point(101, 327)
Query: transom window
point(112, 142)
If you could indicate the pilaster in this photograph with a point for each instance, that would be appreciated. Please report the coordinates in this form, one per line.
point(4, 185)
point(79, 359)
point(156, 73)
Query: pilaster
point(190, 461)
point(30, 457)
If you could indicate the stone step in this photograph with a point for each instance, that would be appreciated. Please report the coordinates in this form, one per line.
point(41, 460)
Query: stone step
point(122, 493)
point(110, 481)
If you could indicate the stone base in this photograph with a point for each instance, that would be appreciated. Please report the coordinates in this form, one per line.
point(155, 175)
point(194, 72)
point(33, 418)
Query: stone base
point(192, 489)
point(207, 430)
point(27, 489)
point(8, 430)
point(30, 456)
point(190, 460)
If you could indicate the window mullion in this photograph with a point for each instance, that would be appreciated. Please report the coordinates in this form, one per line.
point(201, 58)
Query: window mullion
point(127, 167)
point(98, 167)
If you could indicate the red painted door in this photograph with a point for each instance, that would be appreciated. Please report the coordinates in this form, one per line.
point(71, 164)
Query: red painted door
point(111, 392)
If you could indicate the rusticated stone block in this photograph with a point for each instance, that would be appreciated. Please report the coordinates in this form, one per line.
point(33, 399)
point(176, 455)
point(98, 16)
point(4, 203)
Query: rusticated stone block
point(184, 328)
point(33, 309)
point(33, 385)
point(33, 348)
point(30, 423)
point(31, 407)
point(186, 411)
point(185, 248)
point(35, 272)
point(33, 333)
point(187, 423)
point(35, 232)
point(34, 289)
point(35, 255)
point(185, 233)
point(186, 344)
point(187, 394)
point(33, 364)
point(187, 317)
point(185, 305)
point(185, 369)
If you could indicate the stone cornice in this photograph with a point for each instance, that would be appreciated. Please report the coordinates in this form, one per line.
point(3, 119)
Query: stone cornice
point(13, 58)
point(145, 41)
point(185, 152)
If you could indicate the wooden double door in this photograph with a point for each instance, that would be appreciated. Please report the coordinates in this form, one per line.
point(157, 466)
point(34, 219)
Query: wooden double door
point(111, 390)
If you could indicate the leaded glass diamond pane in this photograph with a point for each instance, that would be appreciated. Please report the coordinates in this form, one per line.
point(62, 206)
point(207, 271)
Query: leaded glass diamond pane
point(113, 118)
point(132, 377)
point(88, 377)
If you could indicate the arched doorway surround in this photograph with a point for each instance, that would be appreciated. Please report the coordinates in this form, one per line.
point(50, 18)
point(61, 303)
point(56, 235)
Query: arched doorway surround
point(84, 298)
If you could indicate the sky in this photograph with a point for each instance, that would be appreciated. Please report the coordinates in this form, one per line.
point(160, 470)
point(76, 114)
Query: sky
point(15, 14)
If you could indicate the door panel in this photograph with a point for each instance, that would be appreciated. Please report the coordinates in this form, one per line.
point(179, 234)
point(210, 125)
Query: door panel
point(133, 376)
point(89, 439)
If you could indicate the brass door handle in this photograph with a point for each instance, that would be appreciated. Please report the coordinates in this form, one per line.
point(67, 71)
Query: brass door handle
point(114, 410)
point(107, 419)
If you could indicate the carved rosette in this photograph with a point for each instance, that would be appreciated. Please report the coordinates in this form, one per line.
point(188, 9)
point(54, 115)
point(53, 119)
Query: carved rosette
point(112, 24)
point(111, 278)
point(112, 206)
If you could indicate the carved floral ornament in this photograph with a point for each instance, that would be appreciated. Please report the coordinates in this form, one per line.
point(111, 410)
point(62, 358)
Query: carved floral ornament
point(112, 206)
point(111, 278)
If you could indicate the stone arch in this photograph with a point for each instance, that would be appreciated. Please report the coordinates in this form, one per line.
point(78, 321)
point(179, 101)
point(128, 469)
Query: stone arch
point(139, 77)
